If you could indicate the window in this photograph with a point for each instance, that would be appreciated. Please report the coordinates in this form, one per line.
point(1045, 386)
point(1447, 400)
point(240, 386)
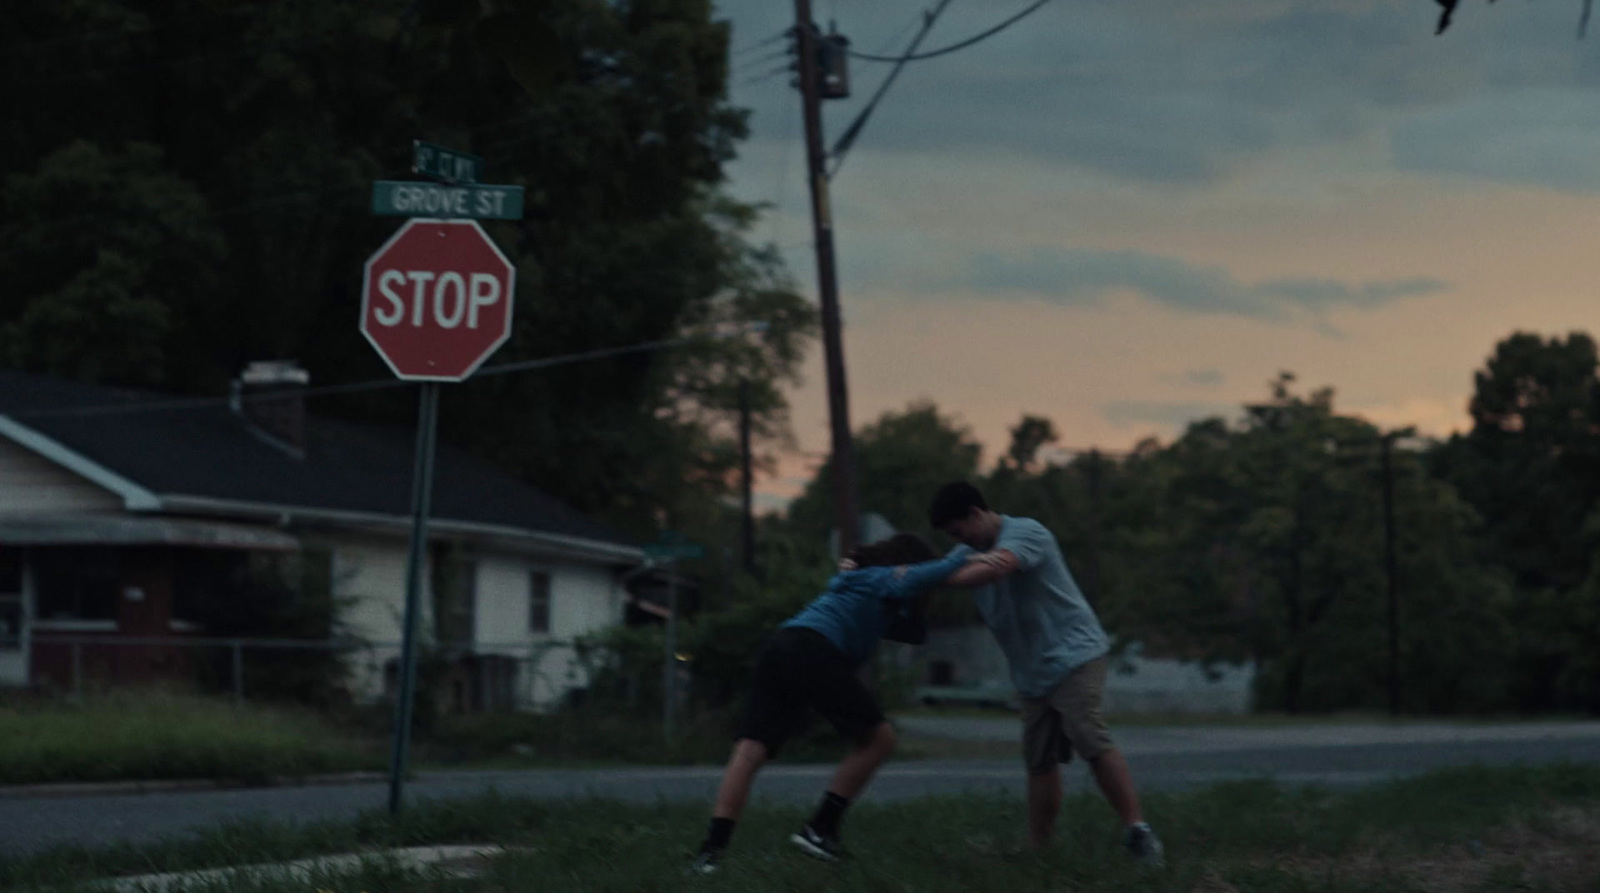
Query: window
point(76, 584)
point(539, 602)
point(10, 600)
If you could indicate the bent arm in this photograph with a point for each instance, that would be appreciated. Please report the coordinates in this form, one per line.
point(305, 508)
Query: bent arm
point(984, 568)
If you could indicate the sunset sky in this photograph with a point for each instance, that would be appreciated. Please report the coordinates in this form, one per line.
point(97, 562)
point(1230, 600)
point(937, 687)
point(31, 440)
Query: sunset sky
point(1128, 214)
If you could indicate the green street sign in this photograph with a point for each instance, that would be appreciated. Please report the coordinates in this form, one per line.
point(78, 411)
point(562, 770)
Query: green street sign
point(431, 160)
point(675, 550)
point(404, 198)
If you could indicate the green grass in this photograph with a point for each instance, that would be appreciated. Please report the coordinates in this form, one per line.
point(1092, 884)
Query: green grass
point(1462, 830)
point(597, 737)
point(1244, 720)
point(151, 736)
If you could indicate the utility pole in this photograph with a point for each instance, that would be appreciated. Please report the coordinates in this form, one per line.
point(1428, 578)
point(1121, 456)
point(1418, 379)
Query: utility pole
point(747, 523)
point(1391, 572)
point(1094, 527)
point(844, 465)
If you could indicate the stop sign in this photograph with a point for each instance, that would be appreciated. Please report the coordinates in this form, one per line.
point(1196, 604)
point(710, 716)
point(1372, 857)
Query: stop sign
point(436, 299)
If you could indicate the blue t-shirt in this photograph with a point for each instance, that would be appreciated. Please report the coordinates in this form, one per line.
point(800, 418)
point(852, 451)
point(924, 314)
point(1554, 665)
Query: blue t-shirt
point(851, 613)
point(1037, 613)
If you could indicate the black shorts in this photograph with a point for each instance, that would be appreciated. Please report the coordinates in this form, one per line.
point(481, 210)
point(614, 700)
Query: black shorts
point(797, 671)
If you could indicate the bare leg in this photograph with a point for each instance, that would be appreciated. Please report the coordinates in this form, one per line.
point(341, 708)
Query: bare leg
point(748, 757)
point(1044, 802)
point(1111, 773)
point(857, 767)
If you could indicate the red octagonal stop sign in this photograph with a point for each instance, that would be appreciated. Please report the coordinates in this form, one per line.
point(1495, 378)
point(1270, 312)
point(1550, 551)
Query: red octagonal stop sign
point(436, 299)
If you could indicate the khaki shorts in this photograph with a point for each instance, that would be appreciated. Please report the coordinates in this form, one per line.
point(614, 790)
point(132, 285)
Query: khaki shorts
point(1066, 721)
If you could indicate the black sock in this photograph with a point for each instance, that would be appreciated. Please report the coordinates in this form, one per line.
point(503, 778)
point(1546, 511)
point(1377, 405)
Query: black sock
point(718, 835)
point(829, 813)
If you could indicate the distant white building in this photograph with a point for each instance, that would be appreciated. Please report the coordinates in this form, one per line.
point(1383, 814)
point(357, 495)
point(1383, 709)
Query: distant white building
point(115, 524)
point(965, 664)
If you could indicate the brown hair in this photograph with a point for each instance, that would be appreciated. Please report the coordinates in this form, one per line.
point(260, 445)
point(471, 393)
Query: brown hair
point(902, 548)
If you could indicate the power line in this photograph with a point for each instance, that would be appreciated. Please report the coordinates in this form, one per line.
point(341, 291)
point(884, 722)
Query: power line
point(854, 130)
point(769, 41)
point(756, 79)
point(386, 383)
point(960, 45)
point(769, 58)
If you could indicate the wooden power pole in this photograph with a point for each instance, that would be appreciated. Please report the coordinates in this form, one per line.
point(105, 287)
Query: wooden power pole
point(844, 465)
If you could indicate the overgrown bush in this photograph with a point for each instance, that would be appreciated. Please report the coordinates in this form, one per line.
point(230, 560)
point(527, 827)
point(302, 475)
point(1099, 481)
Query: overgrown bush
point(277, 597)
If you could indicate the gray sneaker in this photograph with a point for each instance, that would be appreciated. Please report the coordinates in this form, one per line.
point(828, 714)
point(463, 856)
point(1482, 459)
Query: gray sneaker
point(706, 862)
point(1144, 846)
point(818, 846)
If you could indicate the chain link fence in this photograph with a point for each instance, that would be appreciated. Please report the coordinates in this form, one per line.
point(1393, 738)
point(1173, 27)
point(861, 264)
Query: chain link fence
point(461, 677)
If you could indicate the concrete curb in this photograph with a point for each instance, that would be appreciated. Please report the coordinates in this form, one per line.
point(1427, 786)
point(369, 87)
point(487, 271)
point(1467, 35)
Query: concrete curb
point(162, 786)
point(453, 862)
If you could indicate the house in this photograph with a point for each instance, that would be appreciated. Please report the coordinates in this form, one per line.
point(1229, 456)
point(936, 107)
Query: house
point(120, 513)
point(964, 664)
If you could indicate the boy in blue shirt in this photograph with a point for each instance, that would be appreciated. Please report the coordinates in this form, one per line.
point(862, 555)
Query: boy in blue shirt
point(811, 663)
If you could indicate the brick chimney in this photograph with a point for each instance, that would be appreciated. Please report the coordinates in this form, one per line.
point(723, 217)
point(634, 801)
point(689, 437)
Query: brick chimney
point(270, 396)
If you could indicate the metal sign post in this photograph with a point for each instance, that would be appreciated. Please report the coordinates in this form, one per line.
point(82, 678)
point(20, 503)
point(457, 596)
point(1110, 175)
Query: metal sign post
point(421, 501)
point(436, 301)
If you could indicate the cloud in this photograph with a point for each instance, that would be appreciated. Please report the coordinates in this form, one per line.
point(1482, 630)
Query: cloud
point(1541, 137)
point(1084, 277)
point(1161, 93)
point(1205, 378)
point(1173, 414)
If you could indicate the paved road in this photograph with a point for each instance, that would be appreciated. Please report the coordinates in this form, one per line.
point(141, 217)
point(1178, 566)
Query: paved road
point(1162, 759)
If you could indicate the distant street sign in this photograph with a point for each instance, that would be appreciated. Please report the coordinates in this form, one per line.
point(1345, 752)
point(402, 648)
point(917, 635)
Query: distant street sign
point(431, 160)
point(688, 551)
point(436, 299)
point(406, 198)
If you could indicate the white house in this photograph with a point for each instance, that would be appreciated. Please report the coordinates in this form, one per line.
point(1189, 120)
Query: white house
point(118, 507)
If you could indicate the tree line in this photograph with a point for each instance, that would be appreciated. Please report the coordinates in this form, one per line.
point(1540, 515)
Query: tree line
point(1260, 538)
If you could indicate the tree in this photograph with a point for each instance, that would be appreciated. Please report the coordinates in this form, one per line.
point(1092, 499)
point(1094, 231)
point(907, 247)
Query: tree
point(1529, 463)
point(902, 459)
point(1530, 466)
point(109, 291)
point(209, 240)
point(1027, 438)
point(1262, 540)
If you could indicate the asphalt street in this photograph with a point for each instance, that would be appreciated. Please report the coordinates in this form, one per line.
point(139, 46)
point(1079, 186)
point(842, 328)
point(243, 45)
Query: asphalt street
point(1165, 758)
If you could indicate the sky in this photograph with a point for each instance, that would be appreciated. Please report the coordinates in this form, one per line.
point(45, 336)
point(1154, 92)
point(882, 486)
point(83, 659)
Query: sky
point(1125, 215)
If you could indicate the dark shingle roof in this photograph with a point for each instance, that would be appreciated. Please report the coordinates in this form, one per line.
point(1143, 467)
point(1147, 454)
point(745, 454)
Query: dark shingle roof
point(210, 452)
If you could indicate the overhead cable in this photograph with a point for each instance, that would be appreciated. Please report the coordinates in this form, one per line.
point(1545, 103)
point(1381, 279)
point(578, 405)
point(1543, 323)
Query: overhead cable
point(959, 45)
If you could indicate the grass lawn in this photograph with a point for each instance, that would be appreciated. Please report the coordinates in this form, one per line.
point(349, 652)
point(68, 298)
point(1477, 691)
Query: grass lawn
point(1462, 830)
point(1245, 720)
point(149, 736)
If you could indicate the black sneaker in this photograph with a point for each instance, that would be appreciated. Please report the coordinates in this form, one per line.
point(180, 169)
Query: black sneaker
point(706, 862)
point(821, 846)
point(1144, 846)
